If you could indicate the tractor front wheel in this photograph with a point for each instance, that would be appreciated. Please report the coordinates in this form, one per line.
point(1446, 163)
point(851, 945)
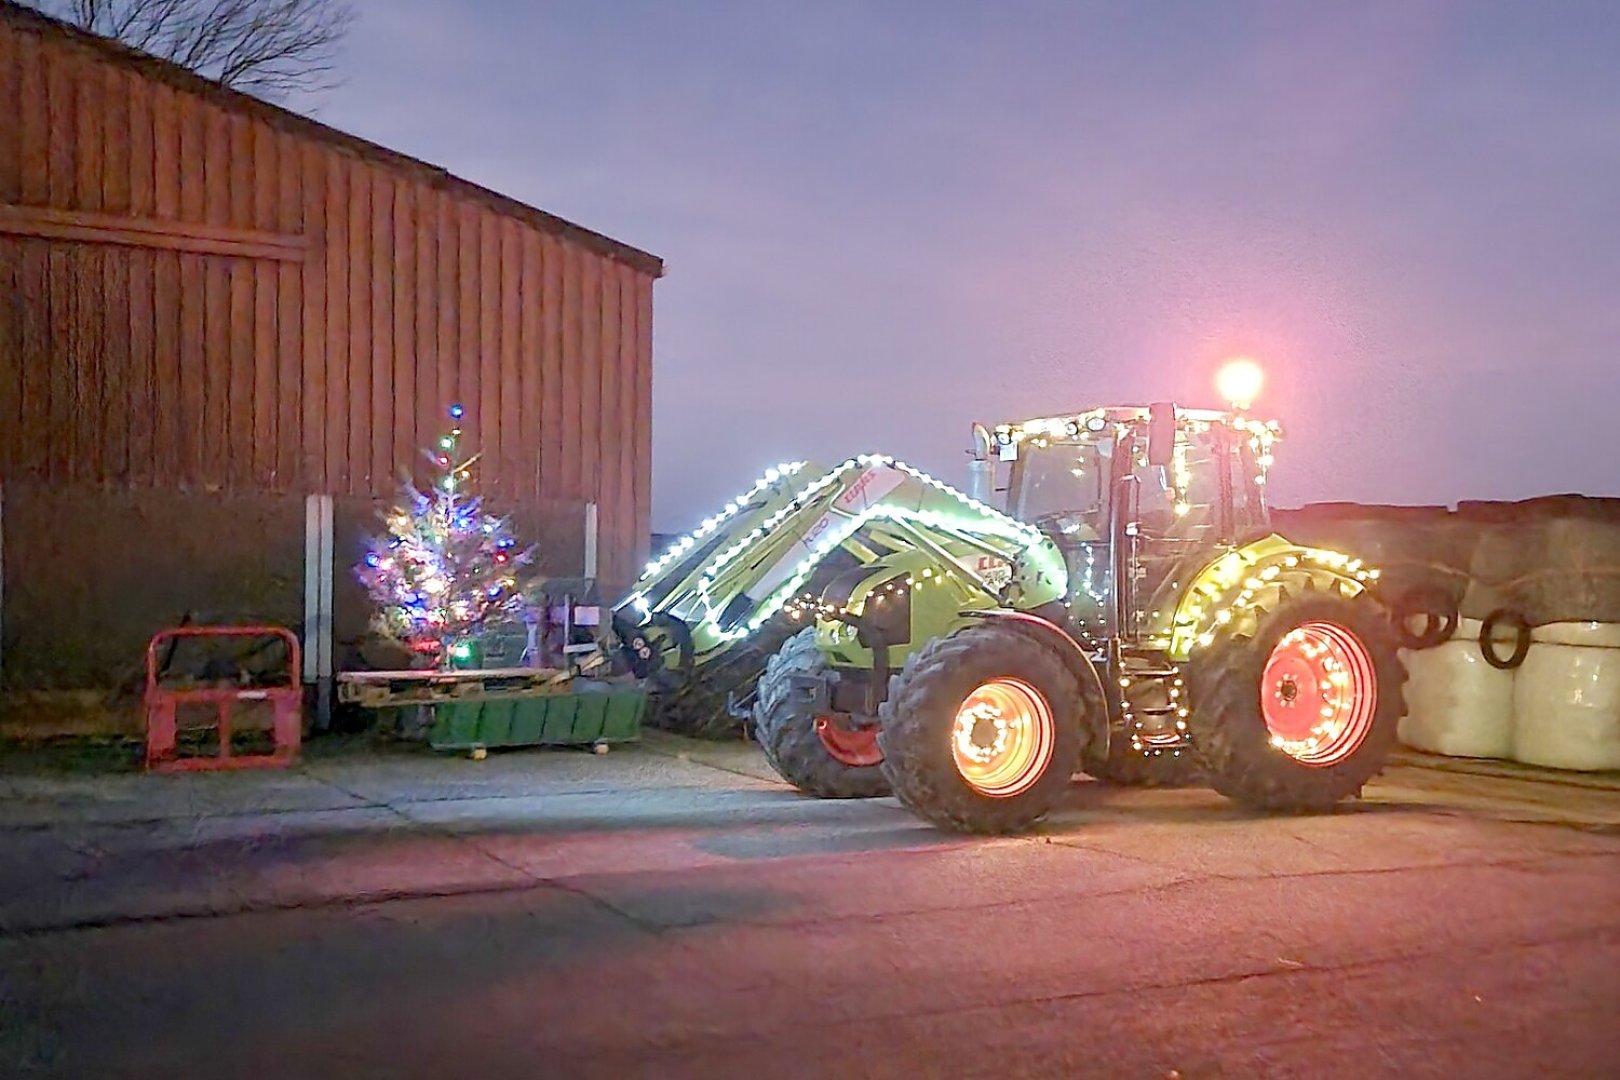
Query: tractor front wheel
point(820, 752)
point(982, 730)
point(1301, 715)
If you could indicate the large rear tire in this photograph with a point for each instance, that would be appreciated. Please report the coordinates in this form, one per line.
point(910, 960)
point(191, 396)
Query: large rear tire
point(1303, 713)
point(819, 753)
point(983, 730)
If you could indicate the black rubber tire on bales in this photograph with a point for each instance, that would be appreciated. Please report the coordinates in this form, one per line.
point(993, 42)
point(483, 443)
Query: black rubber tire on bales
point(1229, 728)
point(1439, 613)
point(697, 706)
point(785, 725)
point(1125, 766)
point(919, 718)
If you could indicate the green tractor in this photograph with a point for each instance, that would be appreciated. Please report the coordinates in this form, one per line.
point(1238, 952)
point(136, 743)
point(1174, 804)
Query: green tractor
point(1127, 613)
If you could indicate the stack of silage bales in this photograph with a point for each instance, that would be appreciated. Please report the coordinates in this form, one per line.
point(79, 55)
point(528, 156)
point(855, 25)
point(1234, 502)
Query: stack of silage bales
point(1512, 612)
point(1546, 573)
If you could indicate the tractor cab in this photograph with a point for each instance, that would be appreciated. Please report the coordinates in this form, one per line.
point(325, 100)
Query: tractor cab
point(1144, 496)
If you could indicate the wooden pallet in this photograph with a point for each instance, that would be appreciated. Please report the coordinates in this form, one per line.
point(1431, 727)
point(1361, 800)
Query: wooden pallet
point(395, 689)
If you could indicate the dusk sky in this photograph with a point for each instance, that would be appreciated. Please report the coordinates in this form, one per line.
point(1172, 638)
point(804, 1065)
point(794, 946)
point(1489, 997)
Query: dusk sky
point(882, 221)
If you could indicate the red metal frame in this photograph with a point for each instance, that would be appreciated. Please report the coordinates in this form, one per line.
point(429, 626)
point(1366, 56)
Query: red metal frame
point(163, 704)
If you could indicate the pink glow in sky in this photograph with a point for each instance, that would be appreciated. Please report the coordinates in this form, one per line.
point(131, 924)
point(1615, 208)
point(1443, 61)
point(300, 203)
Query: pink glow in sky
point(885, 220)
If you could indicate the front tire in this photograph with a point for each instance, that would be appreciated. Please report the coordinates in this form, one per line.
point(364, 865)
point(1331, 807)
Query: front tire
point(1303, 713)
point(819, 754)
point(982, 730)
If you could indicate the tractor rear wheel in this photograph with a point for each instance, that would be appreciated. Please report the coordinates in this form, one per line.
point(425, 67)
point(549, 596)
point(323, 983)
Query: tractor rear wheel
point(982, 730)
point(820, 752)
point(1301, 715)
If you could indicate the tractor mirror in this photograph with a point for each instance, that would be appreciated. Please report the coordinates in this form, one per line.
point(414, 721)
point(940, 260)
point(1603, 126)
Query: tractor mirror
point(1161, 433)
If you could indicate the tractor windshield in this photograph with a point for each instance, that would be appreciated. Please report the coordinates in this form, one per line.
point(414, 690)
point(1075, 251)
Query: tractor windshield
point(1063, 487)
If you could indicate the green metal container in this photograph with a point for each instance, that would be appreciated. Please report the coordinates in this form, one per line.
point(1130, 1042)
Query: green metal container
point(581, 718)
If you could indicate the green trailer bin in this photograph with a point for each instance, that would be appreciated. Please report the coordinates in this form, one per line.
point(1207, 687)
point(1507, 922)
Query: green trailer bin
point(581, 717)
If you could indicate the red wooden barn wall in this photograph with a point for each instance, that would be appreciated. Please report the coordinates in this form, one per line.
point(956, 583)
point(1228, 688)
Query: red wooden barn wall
point(204, 292)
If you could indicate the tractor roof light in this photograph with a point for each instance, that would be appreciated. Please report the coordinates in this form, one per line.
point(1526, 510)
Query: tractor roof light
point(1240, 381)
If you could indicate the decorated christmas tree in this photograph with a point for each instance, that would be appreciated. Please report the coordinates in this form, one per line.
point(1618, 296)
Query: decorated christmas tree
point(446, 567)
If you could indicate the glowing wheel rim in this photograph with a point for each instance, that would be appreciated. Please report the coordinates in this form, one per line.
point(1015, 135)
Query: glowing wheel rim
point(852, 746)
point(1003, 737)
point(1319, 694)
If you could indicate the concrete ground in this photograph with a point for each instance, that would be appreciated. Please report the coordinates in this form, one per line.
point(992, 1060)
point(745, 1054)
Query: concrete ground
point(670, 910)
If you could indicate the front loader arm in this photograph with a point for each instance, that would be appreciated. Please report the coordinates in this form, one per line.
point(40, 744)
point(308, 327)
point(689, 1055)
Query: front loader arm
point(800, 525)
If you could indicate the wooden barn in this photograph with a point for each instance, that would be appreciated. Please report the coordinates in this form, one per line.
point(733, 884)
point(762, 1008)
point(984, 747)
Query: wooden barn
point(225, 332)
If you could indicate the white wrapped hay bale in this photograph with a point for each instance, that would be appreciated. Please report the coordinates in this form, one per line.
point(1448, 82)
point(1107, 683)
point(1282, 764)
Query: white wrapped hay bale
point(1456, 703)
point(1566, 699)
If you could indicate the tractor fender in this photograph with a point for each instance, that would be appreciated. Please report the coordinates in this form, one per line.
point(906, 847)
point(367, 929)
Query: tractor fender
point(1054, 637)
point(1237, 584)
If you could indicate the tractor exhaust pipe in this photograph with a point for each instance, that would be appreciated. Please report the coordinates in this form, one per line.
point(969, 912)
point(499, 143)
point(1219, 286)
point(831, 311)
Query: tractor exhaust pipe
point(982, 466)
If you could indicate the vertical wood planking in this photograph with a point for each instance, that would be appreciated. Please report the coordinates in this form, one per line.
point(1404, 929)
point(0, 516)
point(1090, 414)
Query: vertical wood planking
point(174, 429)
point(513, 481)
point(447, 335)
point(237, 353)
point(287, 459)
point(238, 168)
point(11, 298)
point(87, 136)
point(215, 458)
point(143, 367)
point(466, 358)
point(33, 274)
point(87, 388)
point(611, 431)
point(488, 357)
point(381, 406)
point(551, 365)
point(402, 391)
point(264, 364)
point(33, 128)
point(61, 360)
point(357, 410)
point(117, 384)
point(572, 478)
point(590, 377)
point(624, 409)
point(60, 109)
point(11, 132)
point(142, 154)
point(531, 361)
point(339, 428)
point(233, 348)
point(59, 355)
point(315, 287)
point(427, 320)
point(115, 350)
point(11, 354)
point(643, 418)
point(115, 163)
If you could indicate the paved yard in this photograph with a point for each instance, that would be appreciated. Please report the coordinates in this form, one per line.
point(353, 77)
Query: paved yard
point(671, 910)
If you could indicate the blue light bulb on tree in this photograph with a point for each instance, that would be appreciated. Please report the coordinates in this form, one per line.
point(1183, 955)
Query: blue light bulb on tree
point(445, 567)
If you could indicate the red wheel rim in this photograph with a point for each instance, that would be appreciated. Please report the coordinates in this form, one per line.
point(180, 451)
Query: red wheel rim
point(852, 746)
point(1319, 694)
point(1003, 738)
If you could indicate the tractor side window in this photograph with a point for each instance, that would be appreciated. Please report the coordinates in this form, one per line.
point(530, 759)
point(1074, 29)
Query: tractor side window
point(1064, 488)
point(1248, 497)
point(1182, 501)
